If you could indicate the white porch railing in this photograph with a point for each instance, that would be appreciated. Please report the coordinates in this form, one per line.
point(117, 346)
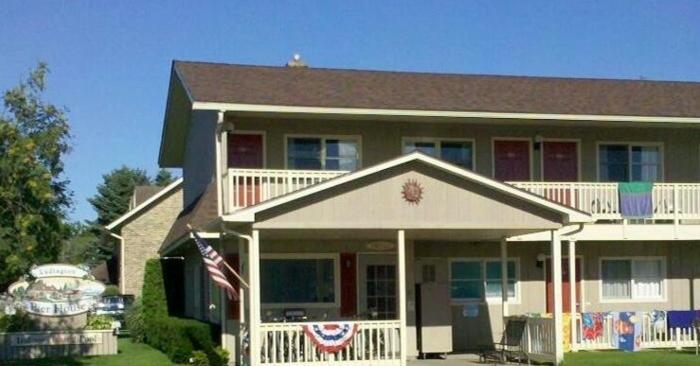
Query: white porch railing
point(653, 335)
point(375, 343)
point(671, 201)
point(247, 187)
point(538, 339)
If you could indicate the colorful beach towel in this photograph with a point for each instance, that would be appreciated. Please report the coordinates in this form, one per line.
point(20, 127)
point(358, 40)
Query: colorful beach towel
point(627, 331)
point(592, 325)
point(635, 200)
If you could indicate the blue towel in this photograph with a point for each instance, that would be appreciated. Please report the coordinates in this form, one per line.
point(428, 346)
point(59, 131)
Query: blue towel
point(635, 200)
point(681, 318)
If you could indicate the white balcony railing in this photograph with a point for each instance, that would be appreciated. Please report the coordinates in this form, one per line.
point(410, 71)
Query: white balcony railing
point(377, 342)
point(671, 201)
point(247, 187)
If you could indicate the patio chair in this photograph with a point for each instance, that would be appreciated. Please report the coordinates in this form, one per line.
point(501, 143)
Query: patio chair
point(509, 346)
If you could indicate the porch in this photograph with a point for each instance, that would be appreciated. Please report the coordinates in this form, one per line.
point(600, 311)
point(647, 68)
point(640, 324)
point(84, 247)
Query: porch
point(385, 209)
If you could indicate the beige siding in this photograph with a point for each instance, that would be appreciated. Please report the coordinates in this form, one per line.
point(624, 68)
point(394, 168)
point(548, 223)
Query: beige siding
point(143, 237)
point(448, 202)
point(200, 155)
point(381, 140)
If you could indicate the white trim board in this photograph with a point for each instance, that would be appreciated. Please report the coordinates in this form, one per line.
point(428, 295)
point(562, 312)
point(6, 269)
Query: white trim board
point(238, 107)
point(572, 215)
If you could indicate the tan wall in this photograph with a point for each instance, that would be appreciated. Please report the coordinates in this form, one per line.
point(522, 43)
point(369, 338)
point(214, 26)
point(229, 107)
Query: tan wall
point(200, 155)
point(142, 238)
point(381, 140)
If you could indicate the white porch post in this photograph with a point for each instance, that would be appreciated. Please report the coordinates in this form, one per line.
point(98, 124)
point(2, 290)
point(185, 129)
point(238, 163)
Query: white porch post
point(557, 293)
point(401, 252)
point(504, 280)
point(572, 291)
point(219, 172)
point(254, 297)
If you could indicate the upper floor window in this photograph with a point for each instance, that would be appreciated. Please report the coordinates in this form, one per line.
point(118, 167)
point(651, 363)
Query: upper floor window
point(323, 153)
point(458, 152)
point(629, 162)
point(639, 278)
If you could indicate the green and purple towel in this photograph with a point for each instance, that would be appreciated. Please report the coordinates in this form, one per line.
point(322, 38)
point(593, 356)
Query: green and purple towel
point(635, 200)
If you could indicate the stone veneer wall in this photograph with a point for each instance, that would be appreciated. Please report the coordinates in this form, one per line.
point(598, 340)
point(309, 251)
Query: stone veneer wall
point(142, 238)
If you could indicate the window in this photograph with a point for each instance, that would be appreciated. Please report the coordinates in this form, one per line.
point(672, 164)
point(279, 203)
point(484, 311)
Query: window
point(624, 163)
point(466, 280)
point(493, 279)
point(632, 278)
point(480, 279)
point(317, 153)
point(297, 281)
point(381, 290)
point(458, 152)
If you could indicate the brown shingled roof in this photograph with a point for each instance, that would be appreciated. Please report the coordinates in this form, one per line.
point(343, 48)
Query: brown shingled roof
point(317, 87)
point(199, 213)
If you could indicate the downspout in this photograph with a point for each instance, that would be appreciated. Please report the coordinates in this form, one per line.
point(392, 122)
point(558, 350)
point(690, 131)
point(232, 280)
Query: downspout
point(121, 259)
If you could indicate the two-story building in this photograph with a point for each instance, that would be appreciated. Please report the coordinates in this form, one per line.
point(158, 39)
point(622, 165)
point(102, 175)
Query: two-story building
point(424, 208)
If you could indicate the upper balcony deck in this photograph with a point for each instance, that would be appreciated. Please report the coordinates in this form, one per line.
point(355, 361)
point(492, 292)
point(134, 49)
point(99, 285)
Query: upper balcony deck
point(672, 202)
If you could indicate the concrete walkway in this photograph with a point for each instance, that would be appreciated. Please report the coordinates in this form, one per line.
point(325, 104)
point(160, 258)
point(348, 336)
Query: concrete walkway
point(452, 360)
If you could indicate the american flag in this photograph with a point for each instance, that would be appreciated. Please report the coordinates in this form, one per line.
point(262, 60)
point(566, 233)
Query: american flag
point(214, 264)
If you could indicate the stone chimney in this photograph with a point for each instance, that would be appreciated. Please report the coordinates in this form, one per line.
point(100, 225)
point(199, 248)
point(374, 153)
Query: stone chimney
point(296, 61)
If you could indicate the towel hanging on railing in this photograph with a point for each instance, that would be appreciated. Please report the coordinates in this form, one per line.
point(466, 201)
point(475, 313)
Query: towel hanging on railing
point(636, 200)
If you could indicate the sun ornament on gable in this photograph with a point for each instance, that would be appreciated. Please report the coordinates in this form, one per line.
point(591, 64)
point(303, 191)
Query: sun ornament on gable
point(412, 192)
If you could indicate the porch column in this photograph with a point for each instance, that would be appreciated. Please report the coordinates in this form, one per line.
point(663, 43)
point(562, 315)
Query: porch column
point(254, 297)
point(219, 171)
point(572, 291)
point(557, 293)
point(401, 252)
point(504, 280)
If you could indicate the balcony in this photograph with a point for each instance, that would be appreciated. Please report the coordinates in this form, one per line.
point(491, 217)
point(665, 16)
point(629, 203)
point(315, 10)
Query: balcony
point(672, 202)
point(248, 187)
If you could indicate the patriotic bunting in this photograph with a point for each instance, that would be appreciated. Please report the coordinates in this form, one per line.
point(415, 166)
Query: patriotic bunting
point(331, 338)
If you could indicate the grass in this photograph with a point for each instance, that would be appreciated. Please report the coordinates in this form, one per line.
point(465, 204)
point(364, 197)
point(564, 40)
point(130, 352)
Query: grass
point(665, 357)
point(130, 354)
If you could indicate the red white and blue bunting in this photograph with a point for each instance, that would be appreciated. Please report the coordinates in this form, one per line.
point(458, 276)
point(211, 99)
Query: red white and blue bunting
point(331, 338)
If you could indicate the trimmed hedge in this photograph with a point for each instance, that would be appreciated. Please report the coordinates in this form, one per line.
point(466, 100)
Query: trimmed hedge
point(178, 338)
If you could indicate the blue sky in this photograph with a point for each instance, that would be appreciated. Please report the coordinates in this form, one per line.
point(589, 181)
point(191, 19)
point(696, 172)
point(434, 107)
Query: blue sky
point(110, 60)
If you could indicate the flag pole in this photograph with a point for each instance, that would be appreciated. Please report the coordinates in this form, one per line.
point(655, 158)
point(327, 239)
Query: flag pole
point(233, 272)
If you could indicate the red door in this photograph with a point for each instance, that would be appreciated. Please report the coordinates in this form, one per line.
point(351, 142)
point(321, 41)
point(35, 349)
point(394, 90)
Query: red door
point(565, 286)
point(246, 151)
point(511, 160)
point(559, 161)
point(560, 164)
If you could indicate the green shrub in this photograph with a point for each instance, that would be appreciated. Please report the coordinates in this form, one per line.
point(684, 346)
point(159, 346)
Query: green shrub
point(153, 293)
point(99, 322)
point(135, 322)
point(178, 338)
point(19, 322)
point(111, 290)
point(199, 358)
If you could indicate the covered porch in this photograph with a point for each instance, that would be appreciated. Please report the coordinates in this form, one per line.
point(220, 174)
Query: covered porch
point(367, 226)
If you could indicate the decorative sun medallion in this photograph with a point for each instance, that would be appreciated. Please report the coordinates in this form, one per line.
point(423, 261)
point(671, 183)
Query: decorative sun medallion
point(412, 192)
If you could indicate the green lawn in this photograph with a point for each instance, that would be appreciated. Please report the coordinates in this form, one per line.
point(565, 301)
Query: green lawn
point(667, 357)
point(130, 354)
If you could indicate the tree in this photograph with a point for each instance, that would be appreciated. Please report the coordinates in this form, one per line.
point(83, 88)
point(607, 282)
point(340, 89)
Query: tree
point(81, 247)
point(163, 178)
point(114, 193)
point(34, 198)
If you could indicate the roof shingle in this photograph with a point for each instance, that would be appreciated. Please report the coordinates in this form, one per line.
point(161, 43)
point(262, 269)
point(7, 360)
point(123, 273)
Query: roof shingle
point(318, 87)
